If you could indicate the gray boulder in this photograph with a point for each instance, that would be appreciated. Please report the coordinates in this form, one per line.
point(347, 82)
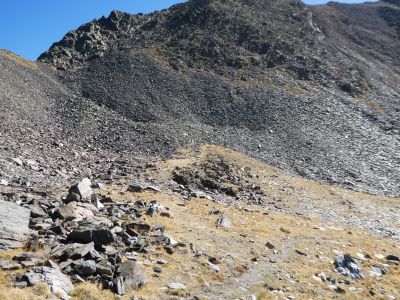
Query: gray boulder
point(14, 225)
point(58, 282)
point(73, 211)
point(37, 211)
point(82, 190)
point(131, 277)
point(86, 268)
point(347, 266)
point(223, 221)
point(88, 232)
point(72, 251)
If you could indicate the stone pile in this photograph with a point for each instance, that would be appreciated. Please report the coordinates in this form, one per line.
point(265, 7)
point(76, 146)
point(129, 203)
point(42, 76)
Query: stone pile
point(88, 238)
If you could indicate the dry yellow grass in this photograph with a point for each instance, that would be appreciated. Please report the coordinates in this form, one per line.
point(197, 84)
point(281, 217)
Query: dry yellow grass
point(18, 59)
point(237, 247)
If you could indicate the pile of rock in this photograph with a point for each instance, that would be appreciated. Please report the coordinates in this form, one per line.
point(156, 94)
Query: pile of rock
point(88, 238)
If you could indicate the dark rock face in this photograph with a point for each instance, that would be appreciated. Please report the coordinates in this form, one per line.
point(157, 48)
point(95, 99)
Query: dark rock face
point(311, 90)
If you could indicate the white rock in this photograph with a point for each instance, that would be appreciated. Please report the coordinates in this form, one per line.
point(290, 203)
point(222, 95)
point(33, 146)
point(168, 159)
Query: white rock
point(176, 286)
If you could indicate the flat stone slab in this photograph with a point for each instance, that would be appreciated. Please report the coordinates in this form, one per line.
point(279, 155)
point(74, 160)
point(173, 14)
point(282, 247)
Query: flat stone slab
point(14, 225)
point(58, 282)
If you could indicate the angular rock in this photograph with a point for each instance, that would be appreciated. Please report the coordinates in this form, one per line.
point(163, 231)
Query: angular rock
point(347, 266)
point(378, 270)
point(6, 266)
point(133, 275)
point(18, 161)
point(88, 232)
point(58, 282)
point(270, 246)
point(72, 251)
point(135, 188)
point(393, 259)
point(14, 225)
point(214, 267)
point(83, 189)
point(176, 286)
point(37, 211)
point(137, 228)
point(104, 268)
point(119, 285)
point(67, 212)
point(86, 268)
point(223, 221)
point(76, 211)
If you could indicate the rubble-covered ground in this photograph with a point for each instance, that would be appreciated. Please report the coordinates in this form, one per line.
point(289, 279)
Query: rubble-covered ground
point(107, 190)
point(208, 223)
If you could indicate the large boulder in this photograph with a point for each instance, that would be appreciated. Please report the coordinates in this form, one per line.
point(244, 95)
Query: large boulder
point(131, 277)
point(72, 211)
point(58, 282)
point(80, 191)
point(14, 225)
point(88, 232)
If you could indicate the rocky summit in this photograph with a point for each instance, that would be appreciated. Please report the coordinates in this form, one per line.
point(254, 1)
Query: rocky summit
point(217, 149)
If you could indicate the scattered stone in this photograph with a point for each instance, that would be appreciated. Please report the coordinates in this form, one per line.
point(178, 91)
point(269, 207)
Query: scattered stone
point(152, 211)
point(20, 284)
point(104, 268)
point(378, 270)
point(316, 278)
point(251, 297)
point(393, 259)
point(86, 268)
point(80, 191)
point(223, 221)
point(299, 252)
point(166, 240)
point(162, 262)
point(3, 182)
point(27, 264)
point(17, 161)
point(119, 285)
point(24, 257)
point(135, 188)
point(214, 267)
point(7, 266)
point(37, 211)
point(157, 270)
point(58, 282)
point(347, 266)
point(14, 225)
point(176, 286)
point(270, 246)
point(214, 260)
point(166, 213)
point(88, 232)
point(97, 185)
point(132, 276)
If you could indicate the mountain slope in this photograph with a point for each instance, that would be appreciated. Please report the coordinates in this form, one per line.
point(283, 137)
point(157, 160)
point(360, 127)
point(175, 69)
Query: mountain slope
point(287, 83)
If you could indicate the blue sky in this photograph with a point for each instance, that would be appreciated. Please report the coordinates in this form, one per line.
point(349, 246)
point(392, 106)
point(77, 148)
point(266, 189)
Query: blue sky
point(29, 27)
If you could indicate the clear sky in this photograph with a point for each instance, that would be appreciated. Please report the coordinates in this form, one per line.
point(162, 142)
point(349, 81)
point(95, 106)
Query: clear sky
point(29, 27)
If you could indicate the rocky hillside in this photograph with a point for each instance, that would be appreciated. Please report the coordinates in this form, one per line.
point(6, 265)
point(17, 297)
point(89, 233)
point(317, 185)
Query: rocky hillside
point(114, 184)
point(310, 89)
point(209, 223)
